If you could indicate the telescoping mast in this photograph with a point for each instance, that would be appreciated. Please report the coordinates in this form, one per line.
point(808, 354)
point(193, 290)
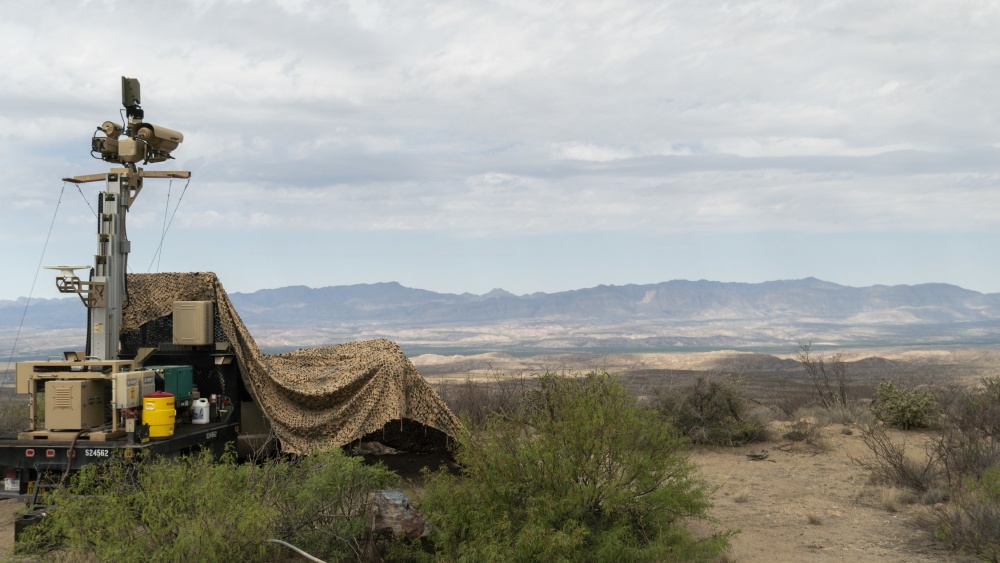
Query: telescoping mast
point(77, 388)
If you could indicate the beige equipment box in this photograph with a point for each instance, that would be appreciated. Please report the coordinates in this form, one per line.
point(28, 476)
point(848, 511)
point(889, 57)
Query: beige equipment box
point(74, 404)
point(194, 323)
point(131, 386)
point(102, 377)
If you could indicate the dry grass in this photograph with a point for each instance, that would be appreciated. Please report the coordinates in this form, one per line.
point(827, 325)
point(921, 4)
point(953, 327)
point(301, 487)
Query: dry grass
point(855, 413)
point(807, 430)
point(894, 498)
point(475, 399)
point(934, 495)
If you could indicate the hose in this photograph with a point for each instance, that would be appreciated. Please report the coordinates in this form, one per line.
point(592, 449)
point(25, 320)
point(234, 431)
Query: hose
point(70, 454)
point(297, 550)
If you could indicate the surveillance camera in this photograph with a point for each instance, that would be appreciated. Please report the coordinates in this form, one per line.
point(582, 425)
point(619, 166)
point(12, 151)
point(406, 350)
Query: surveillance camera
point(111, 129)
point(159, 138)
point(160, 141)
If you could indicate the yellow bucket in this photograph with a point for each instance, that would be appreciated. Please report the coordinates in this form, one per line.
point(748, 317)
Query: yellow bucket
point(159, 414)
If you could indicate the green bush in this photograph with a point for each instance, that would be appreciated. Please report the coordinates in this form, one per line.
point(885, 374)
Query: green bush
point(712, 411)
point(978, 411)
point(196, 508)
point(961, 466)
point(159, 510)
point(323, 500)
point(904, 408)
point(583, 474)
point(13, 414)
point(971, 521)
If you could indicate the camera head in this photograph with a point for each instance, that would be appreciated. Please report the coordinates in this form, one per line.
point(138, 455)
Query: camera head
point(137, 140)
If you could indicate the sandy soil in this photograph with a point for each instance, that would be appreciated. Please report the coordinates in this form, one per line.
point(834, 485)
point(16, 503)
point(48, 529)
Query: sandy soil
point(804, 503)
point(8, 512)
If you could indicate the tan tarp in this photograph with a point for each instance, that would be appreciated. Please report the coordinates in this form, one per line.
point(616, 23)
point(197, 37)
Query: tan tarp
point(315, 398)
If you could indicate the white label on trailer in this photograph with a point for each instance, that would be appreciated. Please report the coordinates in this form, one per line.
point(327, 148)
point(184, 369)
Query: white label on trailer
point(97, 453)
point(12, 484)
point(212, 434)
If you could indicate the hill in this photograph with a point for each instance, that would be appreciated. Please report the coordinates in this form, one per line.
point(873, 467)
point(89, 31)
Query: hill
point(668, 316)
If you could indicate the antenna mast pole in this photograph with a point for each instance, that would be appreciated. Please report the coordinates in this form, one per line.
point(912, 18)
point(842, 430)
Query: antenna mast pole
point(106, 293)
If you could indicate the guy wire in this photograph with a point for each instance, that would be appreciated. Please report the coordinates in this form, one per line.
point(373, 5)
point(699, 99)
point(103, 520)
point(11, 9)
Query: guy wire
point(170, 222)
point(34, 281)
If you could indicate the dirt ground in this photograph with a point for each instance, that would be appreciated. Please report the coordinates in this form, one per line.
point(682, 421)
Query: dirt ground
point(804, 503)
point(8, 513)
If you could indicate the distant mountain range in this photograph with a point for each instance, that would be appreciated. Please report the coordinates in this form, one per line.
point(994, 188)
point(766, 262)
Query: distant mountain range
point(807, 300)
point(668, 315)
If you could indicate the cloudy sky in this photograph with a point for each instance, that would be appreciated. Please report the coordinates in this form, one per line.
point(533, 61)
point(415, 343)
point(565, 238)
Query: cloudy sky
point(533, 146)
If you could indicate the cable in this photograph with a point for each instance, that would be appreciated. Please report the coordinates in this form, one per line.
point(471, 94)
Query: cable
point(170, 222)
point(296, 550)
point(126, 300)
point(163, 231)
point(70, 454)
point(34, 281)
point(126, 296)
point(86, 200)
point(90, 320)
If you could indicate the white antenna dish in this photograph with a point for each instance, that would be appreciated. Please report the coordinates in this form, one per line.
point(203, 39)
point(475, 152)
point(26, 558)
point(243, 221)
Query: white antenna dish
point(67, 271)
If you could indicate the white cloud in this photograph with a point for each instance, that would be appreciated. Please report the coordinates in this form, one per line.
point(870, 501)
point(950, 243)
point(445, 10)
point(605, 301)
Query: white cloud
point(575, 151)
point(512, 117)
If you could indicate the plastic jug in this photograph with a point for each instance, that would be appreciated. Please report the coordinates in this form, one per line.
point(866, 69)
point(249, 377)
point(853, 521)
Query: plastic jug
point(199, 411)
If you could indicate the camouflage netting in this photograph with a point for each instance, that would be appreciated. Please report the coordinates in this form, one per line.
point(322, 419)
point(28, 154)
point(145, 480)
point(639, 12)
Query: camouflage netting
point(314, 398)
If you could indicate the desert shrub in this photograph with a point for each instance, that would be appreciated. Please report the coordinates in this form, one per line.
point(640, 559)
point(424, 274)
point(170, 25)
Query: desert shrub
point(789, 402)
point(977, 411)
point(893, 498)
point(323, 500)
point(971, 521)
point(889, 462)
point(970, 457)
point(904, 408)
point(851, 413)
point(160, 510)
point(198, 509)
point(829, 376)
point(950, 397)
point(965, 454)
point(583, 474)
point(968, 445)
point(806, 430)
point(13, 414)
point(474, 400)
point(962, 466)
point(712, 411)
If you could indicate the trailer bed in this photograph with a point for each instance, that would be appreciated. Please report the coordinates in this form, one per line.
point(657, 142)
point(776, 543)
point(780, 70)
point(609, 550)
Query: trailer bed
point(42, 455)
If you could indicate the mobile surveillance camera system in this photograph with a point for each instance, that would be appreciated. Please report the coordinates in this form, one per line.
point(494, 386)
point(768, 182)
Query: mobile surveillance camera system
point(133, 391)
point(101, 377)
point(136, 140)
